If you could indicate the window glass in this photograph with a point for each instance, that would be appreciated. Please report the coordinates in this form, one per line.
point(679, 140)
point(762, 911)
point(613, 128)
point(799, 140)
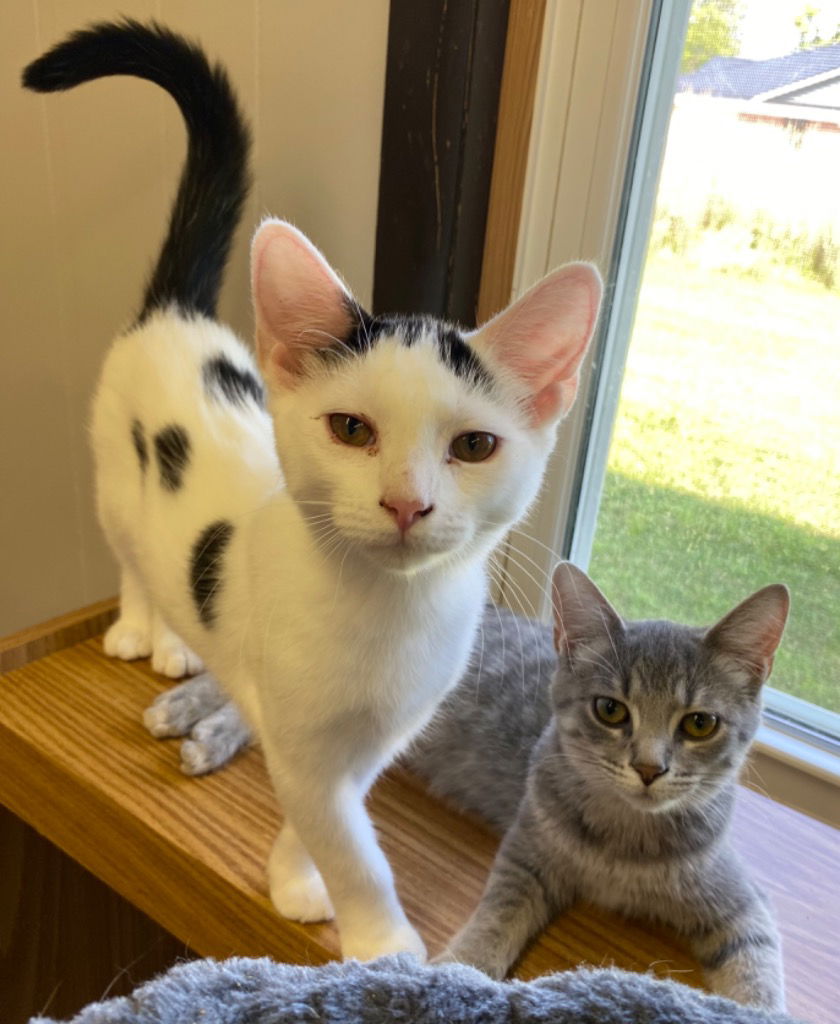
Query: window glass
point(724, 469)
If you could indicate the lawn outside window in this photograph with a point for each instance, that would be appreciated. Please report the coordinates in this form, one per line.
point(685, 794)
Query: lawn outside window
point(723, 474)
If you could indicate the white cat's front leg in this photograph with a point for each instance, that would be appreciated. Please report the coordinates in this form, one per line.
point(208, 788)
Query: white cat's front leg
point(130, 637)
point(170, 655)
point(297, 889)
point(330, 823)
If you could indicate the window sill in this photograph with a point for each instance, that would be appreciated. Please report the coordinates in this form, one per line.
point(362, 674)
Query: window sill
point(795, 772)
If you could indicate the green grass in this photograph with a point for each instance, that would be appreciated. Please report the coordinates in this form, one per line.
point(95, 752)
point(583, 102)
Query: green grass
point(724, 473)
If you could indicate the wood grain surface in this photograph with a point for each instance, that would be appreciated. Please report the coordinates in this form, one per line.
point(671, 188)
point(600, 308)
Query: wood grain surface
point(77, 765)
point(26, 645)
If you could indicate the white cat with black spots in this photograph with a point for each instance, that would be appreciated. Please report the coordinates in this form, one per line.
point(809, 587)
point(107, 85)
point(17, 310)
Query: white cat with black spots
point(336, 601)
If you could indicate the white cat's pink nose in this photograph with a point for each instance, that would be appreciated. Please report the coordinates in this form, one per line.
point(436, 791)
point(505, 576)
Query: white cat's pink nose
point(406, 512)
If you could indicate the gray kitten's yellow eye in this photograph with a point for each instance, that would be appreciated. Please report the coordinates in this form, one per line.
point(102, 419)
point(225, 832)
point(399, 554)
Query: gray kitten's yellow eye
point(611, 711)
point(476, 446)
point(350, 429)
point(699, 725)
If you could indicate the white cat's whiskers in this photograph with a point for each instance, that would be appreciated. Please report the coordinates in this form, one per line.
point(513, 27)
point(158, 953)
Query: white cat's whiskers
point(340, 572)
point(512, 547)
point(518, 635)
point(318, 525)
point(480, 667)
point(595, 657)
point(316, 517)
point(517, 592)
point(329, 543)
point(533, 540)
point(516, 598)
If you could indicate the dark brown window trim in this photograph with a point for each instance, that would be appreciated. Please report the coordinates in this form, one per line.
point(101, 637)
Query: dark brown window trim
point(443, 78)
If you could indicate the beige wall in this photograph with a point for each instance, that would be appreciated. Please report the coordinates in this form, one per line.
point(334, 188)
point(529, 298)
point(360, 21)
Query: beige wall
point(86, 179)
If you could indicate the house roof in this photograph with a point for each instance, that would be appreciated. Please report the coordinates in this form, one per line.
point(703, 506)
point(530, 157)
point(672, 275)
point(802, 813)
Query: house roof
point(738, 78)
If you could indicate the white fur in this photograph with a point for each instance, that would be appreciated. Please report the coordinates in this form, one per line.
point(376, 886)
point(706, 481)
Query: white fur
point(335, 633)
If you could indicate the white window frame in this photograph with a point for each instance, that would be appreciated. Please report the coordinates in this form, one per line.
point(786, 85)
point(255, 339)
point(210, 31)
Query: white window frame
point(596, 55)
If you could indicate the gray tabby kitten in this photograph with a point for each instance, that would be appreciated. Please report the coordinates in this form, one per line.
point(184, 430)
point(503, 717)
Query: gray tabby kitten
point(613, 776)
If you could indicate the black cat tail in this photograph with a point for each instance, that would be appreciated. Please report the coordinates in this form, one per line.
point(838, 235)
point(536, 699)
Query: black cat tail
point(215, 179)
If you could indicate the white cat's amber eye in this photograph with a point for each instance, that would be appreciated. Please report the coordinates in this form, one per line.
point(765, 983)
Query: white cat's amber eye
point(611, 711)
point(475, 446)
point(350, 429)
point(699, 725)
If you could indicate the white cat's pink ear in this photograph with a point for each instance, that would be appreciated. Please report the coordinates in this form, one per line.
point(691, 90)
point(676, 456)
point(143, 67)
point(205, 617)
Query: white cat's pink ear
point(751, 632)
point(299, 301)
point(581, 612)
point(541, 338)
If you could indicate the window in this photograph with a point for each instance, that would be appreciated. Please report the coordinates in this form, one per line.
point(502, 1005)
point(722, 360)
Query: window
point(710, 466)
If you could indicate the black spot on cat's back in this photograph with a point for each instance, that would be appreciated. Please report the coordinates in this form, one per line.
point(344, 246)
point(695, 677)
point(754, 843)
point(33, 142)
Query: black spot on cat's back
point(172, 450)
point(223, 379)
point(206, 564)
point(138, 439)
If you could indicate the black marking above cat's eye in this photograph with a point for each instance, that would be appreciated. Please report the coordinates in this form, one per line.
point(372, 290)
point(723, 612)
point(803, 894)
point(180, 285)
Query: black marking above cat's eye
point(459, 356)
point(172, 449)
point(138, 439)
point(235, 384)
point(206, 568)
point(455, 353)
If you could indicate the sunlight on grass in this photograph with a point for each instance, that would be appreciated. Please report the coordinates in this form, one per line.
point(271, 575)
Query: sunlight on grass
point(732, 391)
point(724, 472)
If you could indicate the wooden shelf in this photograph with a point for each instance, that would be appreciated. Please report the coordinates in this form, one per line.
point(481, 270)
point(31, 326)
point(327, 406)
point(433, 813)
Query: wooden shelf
point(77, 766)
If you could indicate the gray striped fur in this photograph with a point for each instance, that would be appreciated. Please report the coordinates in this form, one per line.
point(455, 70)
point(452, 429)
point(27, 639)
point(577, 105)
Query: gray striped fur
point(519, 743)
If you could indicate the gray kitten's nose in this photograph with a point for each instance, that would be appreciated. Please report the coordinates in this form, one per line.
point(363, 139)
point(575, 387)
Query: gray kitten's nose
point(649, 772)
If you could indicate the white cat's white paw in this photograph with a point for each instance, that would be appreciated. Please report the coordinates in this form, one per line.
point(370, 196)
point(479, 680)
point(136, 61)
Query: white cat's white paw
point(302, 897)
point(365, 945)
point(127, 640)
point(176, 660)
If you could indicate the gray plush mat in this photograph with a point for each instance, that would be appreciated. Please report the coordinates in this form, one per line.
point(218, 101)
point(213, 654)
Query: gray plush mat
point(398, 989)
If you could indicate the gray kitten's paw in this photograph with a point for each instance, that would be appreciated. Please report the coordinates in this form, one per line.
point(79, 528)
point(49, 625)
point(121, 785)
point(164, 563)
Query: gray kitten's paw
point(490, 967)
point(197, 759)
point(174, 712)
point(214, 741)
point(127, 640)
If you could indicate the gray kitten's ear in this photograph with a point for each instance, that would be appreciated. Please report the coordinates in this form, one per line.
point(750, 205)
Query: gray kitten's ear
point(751, 632)
point(581, 612)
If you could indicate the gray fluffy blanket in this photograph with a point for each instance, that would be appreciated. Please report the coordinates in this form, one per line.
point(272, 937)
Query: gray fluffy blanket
point(400, 990)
